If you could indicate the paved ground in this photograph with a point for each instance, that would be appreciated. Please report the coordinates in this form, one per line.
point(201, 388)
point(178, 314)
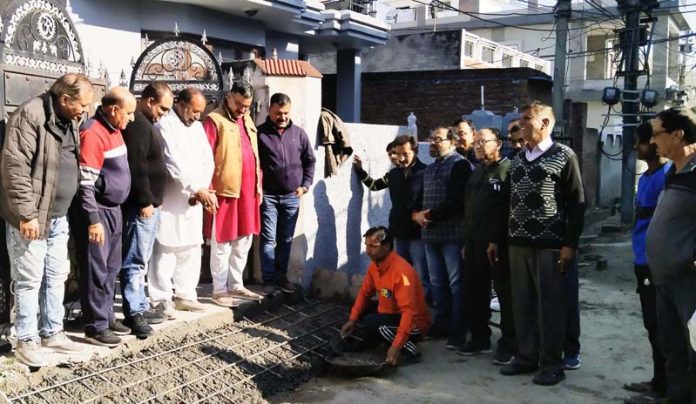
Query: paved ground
point(615, 350)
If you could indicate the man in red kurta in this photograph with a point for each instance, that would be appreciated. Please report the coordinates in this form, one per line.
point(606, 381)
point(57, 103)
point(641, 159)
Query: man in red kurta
point(237, 184)
point(402, 317)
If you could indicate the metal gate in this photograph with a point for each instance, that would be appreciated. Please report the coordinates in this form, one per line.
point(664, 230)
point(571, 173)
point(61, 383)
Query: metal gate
point(181, 63)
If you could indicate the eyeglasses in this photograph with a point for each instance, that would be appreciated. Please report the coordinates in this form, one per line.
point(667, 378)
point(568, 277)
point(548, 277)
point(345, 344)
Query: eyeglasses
point(661, 131)
point(435, 139)
point(482, 142)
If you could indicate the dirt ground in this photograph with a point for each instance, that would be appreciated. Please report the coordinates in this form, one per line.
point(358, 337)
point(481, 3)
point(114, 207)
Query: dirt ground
point(615, 351)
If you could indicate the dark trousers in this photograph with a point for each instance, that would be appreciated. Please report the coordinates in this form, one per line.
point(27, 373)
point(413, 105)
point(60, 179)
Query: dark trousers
point(572, 290)
point(540, 309)
point(676, 302)
point(648, 306)
point(99, 266)
point(503, 288)
point(380, 328)
point(477, 292)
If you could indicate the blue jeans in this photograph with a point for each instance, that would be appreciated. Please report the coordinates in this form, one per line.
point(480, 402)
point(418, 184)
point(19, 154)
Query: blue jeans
point(39, 271)
point(413, 251)
point(138, 240)
point(278, 219)
point(445, 269)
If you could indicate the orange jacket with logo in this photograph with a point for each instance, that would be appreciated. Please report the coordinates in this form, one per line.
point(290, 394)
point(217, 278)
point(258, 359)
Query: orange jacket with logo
point(399, 291)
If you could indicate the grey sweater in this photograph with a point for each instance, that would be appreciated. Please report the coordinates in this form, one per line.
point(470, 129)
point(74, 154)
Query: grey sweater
point(671, 238)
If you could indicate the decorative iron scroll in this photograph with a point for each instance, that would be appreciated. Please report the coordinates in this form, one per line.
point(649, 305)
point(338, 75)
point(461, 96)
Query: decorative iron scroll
point(41, 29)
point(179, 61)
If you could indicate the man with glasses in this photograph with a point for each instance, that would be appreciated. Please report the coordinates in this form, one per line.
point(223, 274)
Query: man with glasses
point(237, 184)
point(466, 131)
point(485, 249)
point(401, 181)
point(402, 317)
point(671, 247)
point(439, 211)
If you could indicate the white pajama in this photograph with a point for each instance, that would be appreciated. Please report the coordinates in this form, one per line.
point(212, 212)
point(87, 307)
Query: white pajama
point(174, 268)
point(227, 262)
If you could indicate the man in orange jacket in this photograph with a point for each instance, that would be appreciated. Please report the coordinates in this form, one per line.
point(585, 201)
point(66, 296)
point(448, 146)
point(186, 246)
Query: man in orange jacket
point(402, 318)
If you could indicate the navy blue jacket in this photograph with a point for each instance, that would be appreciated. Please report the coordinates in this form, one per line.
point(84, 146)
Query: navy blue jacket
point(287, 160)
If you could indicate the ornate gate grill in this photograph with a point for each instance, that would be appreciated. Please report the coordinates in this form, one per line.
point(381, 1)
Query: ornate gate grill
point(180, 63)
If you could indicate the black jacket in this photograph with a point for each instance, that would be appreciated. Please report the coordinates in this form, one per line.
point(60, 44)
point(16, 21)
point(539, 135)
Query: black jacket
point(488, 203)
point(146, 161)
point(401, 183)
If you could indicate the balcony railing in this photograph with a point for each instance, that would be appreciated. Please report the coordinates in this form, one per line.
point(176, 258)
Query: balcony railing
point(481, 52)
point(359, 6)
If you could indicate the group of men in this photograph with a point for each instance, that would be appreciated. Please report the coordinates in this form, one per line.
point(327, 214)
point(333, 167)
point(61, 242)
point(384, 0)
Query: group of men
point(138, 186)
point(475, 216)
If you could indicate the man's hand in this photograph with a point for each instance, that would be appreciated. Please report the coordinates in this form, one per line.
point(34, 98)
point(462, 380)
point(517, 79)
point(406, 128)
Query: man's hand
point(420, 218)
point(147, 211)
point(393, 356)
point(96, 233)
point(29, 229)
point(565, 259)
point(357, 162)
point(207, 199)
point(299, 192)
point(492, 253)
point(347, 328)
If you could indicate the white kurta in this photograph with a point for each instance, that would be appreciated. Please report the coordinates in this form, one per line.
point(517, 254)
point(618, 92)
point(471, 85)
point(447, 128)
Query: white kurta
point(190, 164)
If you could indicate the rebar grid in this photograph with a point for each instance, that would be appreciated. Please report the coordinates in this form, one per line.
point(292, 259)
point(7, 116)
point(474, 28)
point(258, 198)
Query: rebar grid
point(113, 388)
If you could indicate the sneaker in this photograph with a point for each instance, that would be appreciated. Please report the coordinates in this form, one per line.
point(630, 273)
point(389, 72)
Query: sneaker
point(495, 304)
point(287, 286)
point(639, 387)
point(408, 358)
point(515, 369)
point(166, 307)
point(153, 316)
point(549, 378)
point(503, 358)
point(119, 328)
point(474, 348)
point(188, 305)
point(104, 337)
point(645, 398)
point(268, 289)
point(60, 343)
point(139, 326)
point(454, 343)
point(244, 293)
point(29, 353)
point(572, 362)
point(225, 300)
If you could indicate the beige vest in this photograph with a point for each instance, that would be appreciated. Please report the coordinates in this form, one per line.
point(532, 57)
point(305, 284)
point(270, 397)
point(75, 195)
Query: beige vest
point(227, 178)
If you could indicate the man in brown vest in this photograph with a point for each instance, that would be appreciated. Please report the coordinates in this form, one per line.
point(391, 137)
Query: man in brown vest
point(237, 184)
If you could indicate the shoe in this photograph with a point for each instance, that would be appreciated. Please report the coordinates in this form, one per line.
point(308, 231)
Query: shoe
point(474, 348)
point(640, 387)
point(166, 307)
point(645, 398)
point(572, 362)
point(244, 293)
point(503, 358)
point(29, 352)
point(225, 300)
point(495, 304)
point(188, 305)
point(408, 358)
point(454, 343)
point(139, 326)
point(515, 369)
point(287, 286)
point(60, 343)
point(153, 316)
point(119, 328)
point(549, 378)
point(104, 337)
point(268, 289)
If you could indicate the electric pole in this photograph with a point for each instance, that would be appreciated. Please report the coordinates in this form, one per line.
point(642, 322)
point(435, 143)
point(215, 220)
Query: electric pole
point(630, 46)
point(563, 11)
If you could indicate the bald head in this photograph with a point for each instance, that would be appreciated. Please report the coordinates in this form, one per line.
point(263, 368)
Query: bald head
point(118, 106)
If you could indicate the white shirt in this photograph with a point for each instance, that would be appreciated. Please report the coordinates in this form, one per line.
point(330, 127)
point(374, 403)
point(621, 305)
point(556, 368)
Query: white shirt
point(538, 150)
point(189, 161)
